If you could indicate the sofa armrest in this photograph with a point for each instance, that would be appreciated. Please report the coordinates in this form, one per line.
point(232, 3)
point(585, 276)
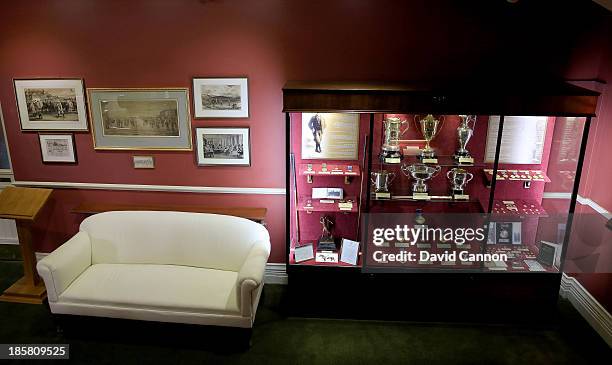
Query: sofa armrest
point(66, 263)
point(250, 276)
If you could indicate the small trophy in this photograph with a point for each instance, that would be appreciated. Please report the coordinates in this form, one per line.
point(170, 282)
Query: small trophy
point(429, 128)
point(327, 241)
point(381, 181)
point(420, 173)
point(464, 133)
point(459, 178)
point(391, 152)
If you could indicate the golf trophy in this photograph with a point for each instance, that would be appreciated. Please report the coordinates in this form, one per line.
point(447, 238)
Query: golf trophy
point(430, 127)
point(381, 181)
point(464, 133)
point(459, 178)
point(326, 241)
point(391, 152)
point(420, 173)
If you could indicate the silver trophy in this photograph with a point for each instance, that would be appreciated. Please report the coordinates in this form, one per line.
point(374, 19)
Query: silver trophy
point(429, 127)
point(392, 134)
point(420, 173)
point(382, 180)
point(459, 178)
point(464, 133)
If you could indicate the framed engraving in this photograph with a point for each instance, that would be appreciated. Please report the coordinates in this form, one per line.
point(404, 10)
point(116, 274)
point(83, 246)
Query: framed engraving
point(330, 136)
point(140, 119)
point(51, 104)
point(57, 148)
point(216, 97)
point(223, 146)
point(143, 162)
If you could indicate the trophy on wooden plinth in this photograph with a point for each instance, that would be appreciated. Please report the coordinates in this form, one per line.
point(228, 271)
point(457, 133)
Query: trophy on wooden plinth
point(391, 152)
point(381, 181)
point(326, 241)
point(459, 179)
point(429, 127)
point(464, 133)
point(420, 173)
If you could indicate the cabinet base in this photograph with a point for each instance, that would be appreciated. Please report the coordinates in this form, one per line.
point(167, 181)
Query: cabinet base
point(24, 292)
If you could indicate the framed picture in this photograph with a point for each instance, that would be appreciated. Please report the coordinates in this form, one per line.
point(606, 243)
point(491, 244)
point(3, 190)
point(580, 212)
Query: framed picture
point(140, 119)
point(216, 97)
point(51, 104)
point(57, 148)
point(223, 146)
point(330, 136)
point(143, 162)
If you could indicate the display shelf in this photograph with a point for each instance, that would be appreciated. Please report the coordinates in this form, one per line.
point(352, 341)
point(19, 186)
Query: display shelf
point(430, 199)
point(444, 161)
point(518, 258)
point(316, 169)
point(518, 208)
point(308, 204)
point(516, 175)
point(313, 262)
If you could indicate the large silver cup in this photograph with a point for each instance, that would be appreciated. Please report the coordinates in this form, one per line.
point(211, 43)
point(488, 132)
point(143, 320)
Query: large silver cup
point(382, 180)
point(420, 173)
point(464, 133)
point(393, 132)
point(429, 127)
point(459, 178)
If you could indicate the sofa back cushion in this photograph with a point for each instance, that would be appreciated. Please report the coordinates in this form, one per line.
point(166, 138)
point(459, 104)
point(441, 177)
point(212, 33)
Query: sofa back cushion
point(176, 238)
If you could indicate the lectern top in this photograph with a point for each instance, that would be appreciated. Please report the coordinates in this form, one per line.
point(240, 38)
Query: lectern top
point(22, 203)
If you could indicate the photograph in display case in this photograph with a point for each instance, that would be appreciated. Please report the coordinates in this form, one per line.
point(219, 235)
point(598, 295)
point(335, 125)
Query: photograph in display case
point(330, 136)
point(57, 148)
point(51, 104)
point(223, 146)
point(216, 97)
point(140, 119)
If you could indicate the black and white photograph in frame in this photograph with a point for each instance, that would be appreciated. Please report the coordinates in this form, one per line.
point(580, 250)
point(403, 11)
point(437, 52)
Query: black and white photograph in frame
point(51, 104)
point(221, 97)
point(57, 148)
point(223, 146)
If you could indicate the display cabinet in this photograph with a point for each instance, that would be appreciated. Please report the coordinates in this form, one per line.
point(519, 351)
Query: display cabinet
point(502, 158)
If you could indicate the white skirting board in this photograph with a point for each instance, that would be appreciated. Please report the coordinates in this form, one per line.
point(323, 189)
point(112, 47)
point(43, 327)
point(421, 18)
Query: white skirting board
point(592, 311)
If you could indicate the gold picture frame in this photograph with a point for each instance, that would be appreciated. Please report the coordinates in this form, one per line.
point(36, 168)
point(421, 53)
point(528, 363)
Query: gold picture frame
point(124, 131)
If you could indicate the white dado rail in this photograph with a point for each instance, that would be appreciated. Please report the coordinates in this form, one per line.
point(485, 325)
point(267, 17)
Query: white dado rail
point(145, 187)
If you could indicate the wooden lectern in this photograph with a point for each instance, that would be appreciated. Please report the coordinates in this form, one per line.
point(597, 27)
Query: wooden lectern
point(23, 205)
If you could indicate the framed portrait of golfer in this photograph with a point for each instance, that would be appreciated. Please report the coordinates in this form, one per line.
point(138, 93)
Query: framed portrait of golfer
point(218, 97)
point(223, 146)
point(51, 104)
point(330, 136)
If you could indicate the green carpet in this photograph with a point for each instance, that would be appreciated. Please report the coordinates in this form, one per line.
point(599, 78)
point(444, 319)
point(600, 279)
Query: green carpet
point(281, 340)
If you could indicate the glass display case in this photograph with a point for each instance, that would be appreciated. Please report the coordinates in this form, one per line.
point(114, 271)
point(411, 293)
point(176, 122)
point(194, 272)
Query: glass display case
point(372, 167)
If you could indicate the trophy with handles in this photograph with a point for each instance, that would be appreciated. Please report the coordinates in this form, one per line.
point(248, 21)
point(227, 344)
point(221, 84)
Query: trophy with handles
point(326, 241)
point(459, 178)
point(393, 131)
point(465, 131)
point(381, 180)
point(420, 173)
point(429, 126)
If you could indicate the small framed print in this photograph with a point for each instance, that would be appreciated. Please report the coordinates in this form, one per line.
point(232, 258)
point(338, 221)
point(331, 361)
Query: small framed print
point(143, 162)
point(51, 104)
point(216, 97)
point(303, 253)
point(223, 146)
point(57, 148)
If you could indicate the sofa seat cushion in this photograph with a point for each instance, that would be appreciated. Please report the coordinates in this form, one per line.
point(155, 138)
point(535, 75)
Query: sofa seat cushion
point(166, 287)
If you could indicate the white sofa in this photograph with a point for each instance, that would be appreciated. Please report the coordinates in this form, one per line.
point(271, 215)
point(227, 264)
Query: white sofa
point(160, 266)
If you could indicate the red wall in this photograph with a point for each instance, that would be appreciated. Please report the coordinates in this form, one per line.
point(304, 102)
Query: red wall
point(156, 43)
